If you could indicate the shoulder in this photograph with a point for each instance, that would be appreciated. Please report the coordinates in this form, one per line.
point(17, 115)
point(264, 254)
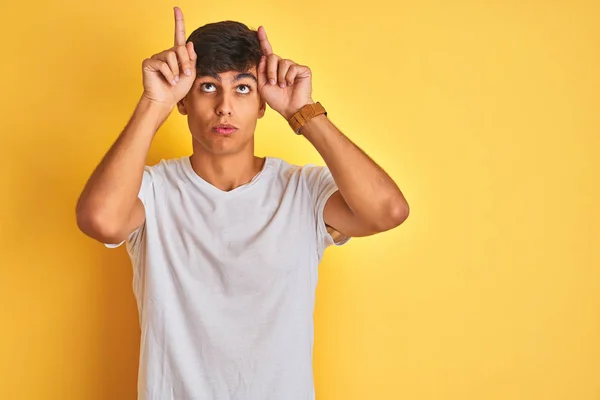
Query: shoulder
point(167, 164)
point(302, 171)
point(168, 168)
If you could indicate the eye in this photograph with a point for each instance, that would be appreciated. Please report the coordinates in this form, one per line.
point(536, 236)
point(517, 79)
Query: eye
point(203, 85)
point(247, 87)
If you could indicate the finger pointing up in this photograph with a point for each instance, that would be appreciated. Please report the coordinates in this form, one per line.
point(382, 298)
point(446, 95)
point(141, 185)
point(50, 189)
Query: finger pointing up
point(179, 28)
point(264, 41)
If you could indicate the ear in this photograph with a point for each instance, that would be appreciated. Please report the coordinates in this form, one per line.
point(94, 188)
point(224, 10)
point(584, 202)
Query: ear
point(262, 108)
point(181, 106)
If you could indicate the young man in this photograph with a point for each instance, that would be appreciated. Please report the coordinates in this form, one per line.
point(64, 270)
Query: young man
point(225, 245)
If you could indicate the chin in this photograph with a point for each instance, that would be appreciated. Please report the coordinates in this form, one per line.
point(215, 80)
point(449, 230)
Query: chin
point(219, 144)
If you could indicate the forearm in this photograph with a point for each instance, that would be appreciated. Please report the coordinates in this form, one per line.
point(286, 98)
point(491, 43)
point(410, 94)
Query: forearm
point(111, 191)
point(367, 189)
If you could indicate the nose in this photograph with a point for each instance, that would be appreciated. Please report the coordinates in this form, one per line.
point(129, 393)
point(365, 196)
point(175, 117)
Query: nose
point(224, 106)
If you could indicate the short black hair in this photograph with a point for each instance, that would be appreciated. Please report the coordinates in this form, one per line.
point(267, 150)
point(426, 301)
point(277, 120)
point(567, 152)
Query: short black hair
point(225, 46)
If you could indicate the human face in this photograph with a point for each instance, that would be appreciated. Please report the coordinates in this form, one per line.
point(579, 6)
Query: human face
point(227, 98)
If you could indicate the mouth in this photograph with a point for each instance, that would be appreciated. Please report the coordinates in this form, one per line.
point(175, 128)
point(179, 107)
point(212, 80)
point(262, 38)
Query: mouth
point(224, 129)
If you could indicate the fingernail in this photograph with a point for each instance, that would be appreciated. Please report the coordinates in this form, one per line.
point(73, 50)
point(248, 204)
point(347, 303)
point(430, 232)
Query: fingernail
point(282, 85)
point(272, 81)
point(173, 82)
point(177, 78)
point(188, 72)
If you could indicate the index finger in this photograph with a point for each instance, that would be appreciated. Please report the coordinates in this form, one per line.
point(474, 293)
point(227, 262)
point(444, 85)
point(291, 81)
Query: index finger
point(179, 28)
point(264, 41)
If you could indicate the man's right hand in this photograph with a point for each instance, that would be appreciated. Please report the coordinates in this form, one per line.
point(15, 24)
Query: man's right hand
point(169, 75)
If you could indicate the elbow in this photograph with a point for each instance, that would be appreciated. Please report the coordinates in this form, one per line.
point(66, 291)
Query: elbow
point(400, 213)
point(394, 217)
point(96, 226)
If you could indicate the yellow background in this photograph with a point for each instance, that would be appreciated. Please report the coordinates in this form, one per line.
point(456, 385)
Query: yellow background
point(485, 114)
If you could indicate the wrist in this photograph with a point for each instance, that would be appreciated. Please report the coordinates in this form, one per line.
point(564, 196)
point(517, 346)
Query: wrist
point(306, 114)
point(152, 105)
point(290, 113)
point(151, 110)
point(149, 107)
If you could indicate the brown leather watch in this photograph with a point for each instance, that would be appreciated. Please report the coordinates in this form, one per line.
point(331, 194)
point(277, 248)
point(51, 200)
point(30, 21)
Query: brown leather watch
point(304, 114)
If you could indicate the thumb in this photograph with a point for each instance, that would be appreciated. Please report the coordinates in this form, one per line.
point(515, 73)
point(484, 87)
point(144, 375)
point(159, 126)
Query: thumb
point(262, 72)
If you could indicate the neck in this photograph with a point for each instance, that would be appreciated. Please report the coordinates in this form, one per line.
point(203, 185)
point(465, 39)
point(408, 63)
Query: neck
point(226, 172)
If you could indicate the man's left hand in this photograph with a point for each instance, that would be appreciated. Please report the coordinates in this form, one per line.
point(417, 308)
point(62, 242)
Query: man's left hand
point(283, 84)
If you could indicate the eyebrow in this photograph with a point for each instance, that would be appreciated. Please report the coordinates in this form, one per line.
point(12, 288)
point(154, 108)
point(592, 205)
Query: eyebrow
point(237, 77)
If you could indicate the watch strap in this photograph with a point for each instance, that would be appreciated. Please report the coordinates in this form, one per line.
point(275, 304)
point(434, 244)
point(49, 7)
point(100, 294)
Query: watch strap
point(304, 114)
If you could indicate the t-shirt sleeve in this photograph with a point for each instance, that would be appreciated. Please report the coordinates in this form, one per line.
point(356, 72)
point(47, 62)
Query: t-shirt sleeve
point(321, 187)
point(143, 194)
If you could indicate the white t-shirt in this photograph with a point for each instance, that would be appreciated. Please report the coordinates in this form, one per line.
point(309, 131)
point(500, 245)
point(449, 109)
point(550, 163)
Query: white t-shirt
point(225, 282)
